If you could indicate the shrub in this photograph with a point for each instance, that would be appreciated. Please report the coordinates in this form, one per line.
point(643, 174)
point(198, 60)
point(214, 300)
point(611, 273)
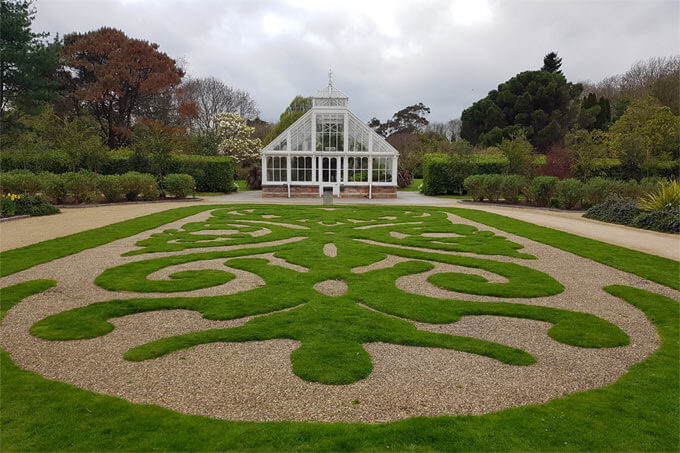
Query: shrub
point(254, 178)
point(667, 220)
point(20, 182)
point(492, 187)
point(666, 197)
point(569, 193)
point(511, 187)
point(475, 186)
point(614, 211)
point(111, 186)
point(35, 161)
point(435, 174)
point(54, 187)
point(541, 190)
point(179, 185)
point(404, 178)
point(597, 191)
point(139, 185)
point(34, 205)
point(212, 173)
point(82, 186)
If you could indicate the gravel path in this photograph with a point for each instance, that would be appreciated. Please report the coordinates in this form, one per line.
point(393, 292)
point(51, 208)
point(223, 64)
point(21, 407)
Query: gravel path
point(254, 380)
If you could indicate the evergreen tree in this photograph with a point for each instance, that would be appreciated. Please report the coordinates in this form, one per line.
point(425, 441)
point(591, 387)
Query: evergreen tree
point(28, 62)
point(552, 63)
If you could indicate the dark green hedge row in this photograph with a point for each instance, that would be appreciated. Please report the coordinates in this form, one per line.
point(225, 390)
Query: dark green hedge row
point(613, 168)
point(626, 212)
point(212, 173)
point(445, 173)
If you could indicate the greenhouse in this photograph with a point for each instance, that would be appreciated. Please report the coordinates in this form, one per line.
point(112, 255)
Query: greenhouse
point(329, 149)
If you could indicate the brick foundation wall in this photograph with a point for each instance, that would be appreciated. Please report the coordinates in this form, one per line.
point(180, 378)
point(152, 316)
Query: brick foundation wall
point(313, 191)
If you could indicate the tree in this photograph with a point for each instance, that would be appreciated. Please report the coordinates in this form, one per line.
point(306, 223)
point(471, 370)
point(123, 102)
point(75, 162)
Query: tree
point(409, 119)
point(585, 148)
point(645, 134)
point(28, 62)
point(110, 75)
point(552, 63)
point(298, 107)
point(448, 129)
point(236, 137)
point(520, 155)
point(657, 77)
point(212, 96)
point(153, 144)
point(539, 104)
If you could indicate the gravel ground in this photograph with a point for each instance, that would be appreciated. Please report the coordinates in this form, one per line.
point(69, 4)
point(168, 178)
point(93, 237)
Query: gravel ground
point(254, 380)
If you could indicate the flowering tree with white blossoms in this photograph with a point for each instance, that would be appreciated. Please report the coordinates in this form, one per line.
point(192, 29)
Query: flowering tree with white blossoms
point(235, 137)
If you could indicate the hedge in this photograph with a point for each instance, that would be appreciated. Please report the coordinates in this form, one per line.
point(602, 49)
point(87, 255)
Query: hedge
point(445, 173)
point(613, 168)
point(212, 173)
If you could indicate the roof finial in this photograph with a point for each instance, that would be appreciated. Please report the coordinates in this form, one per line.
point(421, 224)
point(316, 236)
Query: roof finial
point(330, 78)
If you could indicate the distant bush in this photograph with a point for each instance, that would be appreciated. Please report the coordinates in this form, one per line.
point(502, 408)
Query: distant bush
point(541, 190)
point(34, 205)
point(667, 196)
point(435, 174)
point(20, 182)
point(475, 186)
point(492, 187)
point(111, 186)
point(614, 211)
point(511, 187)
point(569, 193)
point(667, 220)
point(82, 186)
point(54, 187)
point(138, 185)
point(179, 185)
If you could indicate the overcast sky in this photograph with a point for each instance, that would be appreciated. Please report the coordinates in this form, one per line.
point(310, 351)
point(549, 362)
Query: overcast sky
point(385, 55)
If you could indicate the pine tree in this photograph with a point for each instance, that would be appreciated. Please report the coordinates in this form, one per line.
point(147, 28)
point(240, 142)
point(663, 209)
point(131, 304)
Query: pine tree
point(552, 63)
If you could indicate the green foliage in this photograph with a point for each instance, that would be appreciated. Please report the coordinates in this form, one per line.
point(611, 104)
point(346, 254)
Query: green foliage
point(614, 211)
point(569, 193)
point(8, 204)
point(511, 187)
point(139, 185)
point(408, 120)
point(19, 182)
point(298, 107)
point(34, 205)
point(645, 135)
point(541, 190)
point(82, 186)
point(598, 190)
point(179, 185)
point(493, 187)
point(154, 143)
point(585, 148)
point(476, 186)
point(435, 174)
point(537, 103)
point(111, 186)
point(594, 113)
point(666, 197)
point(519, 153)
point(665, 220)
point(552, 63)
point(28, 63)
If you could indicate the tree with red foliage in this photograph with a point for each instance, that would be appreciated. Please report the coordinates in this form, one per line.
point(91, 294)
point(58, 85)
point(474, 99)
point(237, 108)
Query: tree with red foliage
point(111, 73)
point(558, 163)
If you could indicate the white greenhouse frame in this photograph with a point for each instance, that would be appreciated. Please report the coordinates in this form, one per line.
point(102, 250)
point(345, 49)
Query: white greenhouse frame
point(330, 167)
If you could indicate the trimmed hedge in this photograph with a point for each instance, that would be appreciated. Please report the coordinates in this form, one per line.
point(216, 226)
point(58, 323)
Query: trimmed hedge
point(446, 173)
point(613, 168)
point(179, 185)
point(211, 173)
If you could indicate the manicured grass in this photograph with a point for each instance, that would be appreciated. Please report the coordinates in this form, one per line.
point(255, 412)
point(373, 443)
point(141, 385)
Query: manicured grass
point(638, 412)
point(415, 185)
point(16, 260)
point(655, 268)
point(11, 295)
point(242, 186)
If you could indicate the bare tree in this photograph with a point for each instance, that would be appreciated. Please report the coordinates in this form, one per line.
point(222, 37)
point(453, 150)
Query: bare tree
point(212, 96)
point(449, 129)
point(656, 77)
